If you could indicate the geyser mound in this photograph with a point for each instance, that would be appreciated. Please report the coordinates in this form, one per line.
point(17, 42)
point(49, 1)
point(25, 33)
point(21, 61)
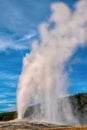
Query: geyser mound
point(43, 77)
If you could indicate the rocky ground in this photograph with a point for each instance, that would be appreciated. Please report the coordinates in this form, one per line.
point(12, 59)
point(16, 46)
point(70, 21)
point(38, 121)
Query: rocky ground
point(26, 125)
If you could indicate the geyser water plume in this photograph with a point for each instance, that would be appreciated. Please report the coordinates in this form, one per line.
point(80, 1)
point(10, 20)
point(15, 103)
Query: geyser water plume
point(43, 76)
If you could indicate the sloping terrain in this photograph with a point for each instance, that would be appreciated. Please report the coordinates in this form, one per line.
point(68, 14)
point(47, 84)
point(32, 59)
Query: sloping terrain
point(25, 125)
point(78, 104)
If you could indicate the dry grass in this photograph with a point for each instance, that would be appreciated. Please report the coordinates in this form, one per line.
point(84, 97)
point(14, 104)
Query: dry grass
point(67, 128)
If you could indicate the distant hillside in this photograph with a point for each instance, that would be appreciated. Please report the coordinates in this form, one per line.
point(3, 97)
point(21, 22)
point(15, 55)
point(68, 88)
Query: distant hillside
point(78, 104)
point(79, 107)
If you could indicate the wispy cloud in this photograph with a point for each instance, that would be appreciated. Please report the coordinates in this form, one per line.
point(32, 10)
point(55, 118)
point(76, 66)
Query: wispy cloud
point(10, 94)
point(78, 60)
point(9, 43)
point(3, 101)
point(18, 44)
point(4, 75)
point(27, 37)
point(2, 96)
point(11, 108)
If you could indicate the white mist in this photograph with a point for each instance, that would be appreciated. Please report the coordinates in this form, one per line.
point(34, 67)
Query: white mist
point(43, 76)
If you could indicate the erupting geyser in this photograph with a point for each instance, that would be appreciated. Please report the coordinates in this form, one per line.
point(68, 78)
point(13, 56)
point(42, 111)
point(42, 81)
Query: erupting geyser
point(43, 77)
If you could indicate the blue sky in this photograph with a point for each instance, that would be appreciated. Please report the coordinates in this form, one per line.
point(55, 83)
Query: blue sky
point(19, 21)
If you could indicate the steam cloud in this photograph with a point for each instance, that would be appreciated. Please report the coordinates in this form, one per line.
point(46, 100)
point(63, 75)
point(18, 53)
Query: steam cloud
point(43, 77)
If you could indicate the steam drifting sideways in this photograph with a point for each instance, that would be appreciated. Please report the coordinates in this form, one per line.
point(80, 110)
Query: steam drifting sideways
point(43, 77)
